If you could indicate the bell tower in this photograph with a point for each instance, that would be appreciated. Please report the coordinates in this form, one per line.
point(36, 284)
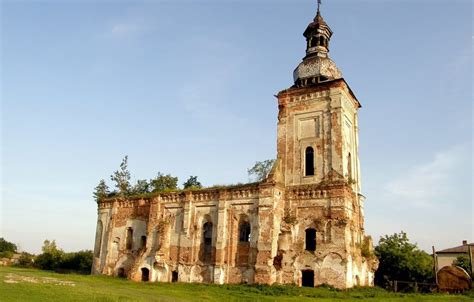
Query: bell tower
point(317, 121)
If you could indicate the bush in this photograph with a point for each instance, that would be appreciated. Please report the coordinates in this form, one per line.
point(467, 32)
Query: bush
point(163, 183)
point(56, 259)
point(366, 248)
point(192, 183)
point(25, 260)
point(6, 254)
point(463, 262)
point(79, 262)
point(48, 261)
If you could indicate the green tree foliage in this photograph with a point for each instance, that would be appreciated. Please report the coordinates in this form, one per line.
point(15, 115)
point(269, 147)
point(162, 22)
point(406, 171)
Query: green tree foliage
point(463, 262)
point(261, 169)
point(163, 183)
point(121, 177)
point(54, 258)
point(6, 246)
point(79, 262)
point(101, 191)
point(6, 254)
point(366, 248)
point(25, 260)
point(192, 183)
point(51, 256)
point(402, 260)
point(142, 186)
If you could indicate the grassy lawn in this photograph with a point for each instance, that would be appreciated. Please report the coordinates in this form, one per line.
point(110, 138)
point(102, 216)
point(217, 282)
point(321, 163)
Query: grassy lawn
point(33, 285)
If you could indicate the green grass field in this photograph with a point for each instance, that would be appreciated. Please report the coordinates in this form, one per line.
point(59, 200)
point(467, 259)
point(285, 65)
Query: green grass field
point(33, 285)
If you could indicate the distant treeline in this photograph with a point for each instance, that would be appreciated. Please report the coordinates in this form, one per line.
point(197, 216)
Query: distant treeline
point(52, 258)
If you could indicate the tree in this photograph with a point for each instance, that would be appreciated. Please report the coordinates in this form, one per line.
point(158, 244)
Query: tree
point(463, 262)
point(261, 169)
point(163, 183)
point(101, 191)
point(51, 257)
point(79, 261)
point(142, 186)
point(192, 183)
point(7, 248)
point(121, 177)
point(402, 260)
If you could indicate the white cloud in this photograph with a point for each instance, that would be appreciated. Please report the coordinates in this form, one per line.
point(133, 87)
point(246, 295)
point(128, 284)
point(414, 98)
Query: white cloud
point(431, 201)
point(124, 29)
point(432, 182)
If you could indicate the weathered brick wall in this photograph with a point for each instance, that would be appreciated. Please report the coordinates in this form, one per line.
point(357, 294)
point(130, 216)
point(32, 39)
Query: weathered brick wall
point(170, 240)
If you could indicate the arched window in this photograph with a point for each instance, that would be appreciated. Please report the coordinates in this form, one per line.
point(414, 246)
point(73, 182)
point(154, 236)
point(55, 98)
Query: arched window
point(349, 165)
point(321, 41)
point(143, 242)
point(207, 241)
point(310, 240)
point(313, 42)
point(129, 240)
point(309, 161)
point(244, 232)
point(98, 239)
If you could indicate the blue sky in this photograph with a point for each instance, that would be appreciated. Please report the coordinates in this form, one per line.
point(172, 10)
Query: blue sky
point(186, 87)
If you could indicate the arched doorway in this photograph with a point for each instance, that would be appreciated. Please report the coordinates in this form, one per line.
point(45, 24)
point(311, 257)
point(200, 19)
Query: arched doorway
point(307, 278)
point(145, 274)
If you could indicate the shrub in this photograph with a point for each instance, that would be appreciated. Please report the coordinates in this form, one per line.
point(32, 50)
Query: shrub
point(163, 183)
point(48, 261)
point(192, 183)
point(6, 254)
point(101, 191)
point(463, 262)
point(366, 248)
point(25, 260)
point(79, 261)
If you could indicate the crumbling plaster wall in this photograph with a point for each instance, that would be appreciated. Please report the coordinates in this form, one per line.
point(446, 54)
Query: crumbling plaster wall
point(275, 254)
point(324, 118)
point(173, 228)
point(279, 210)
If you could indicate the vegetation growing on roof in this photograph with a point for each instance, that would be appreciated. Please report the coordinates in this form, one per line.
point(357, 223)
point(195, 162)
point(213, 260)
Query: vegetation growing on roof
point(165, 183)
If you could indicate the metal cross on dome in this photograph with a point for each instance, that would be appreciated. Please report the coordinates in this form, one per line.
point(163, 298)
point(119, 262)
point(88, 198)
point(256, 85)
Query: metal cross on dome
point(319, 3)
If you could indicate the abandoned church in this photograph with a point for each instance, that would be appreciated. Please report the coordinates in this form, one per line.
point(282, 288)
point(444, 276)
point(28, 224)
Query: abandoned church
point(302, 225)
